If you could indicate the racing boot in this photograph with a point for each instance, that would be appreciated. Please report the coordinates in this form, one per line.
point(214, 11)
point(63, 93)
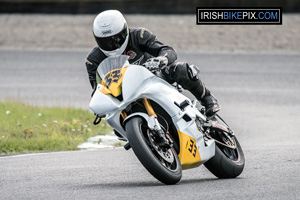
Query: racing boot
point(205, 97)
point(211, 105)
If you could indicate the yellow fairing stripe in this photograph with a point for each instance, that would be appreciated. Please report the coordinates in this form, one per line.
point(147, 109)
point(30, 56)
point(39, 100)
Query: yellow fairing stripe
point(189, 155)
point(112, 82)
point(104, 90)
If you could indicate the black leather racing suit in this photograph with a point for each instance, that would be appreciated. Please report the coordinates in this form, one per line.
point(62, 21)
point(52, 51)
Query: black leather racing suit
point(142, 45)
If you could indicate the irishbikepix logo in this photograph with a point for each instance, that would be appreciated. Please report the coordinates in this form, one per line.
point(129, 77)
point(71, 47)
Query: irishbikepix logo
point(239, 16)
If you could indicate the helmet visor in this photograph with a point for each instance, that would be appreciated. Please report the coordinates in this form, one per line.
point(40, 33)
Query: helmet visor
point(114, 42)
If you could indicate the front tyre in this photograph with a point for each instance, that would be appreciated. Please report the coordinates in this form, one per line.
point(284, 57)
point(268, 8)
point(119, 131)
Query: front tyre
point(163, 165)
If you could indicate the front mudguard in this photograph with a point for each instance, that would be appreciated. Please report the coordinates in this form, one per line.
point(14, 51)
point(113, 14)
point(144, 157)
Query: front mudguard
point(149, 119)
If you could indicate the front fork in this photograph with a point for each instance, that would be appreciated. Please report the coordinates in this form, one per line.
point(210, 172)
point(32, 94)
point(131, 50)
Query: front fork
point(157, 128)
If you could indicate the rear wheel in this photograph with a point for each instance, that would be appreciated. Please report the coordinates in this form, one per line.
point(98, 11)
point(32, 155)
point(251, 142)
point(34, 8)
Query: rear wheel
point(229, 160)
point(162, 164)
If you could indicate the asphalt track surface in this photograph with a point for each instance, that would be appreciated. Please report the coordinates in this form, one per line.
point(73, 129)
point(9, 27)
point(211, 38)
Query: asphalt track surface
point(260, 99)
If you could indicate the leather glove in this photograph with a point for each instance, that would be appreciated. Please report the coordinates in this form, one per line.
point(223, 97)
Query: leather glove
point(156, 64)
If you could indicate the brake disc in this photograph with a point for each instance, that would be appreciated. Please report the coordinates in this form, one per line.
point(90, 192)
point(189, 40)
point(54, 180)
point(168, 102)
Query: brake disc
point(167, 155)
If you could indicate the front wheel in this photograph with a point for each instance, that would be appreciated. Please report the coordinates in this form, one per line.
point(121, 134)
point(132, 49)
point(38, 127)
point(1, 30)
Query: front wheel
point(162, 164)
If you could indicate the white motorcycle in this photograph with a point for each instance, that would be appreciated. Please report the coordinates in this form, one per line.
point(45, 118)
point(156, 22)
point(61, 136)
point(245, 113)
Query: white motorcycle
point(166, 130)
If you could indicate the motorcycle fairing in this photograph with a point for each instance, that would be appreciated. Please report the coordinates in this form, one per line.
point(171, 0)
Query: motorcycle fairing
point(189, 155)
point(139, 83)
point(147, 85)
point(112, 82)
point(206, 148)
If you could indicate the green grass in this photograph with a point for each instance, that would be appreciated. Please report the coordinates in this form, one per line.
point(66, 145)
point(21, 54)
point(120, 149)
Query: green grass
point(25, 128)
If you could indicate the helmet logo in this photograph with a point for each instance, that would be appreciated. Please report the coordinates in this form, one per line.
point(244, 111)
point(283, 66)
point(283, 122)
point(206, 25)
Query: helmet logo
point(106, 32)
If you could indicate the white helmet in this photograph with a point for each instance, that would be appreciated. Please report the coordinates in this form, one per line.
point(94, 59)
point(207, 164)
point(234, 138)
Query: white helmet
point(111, 32)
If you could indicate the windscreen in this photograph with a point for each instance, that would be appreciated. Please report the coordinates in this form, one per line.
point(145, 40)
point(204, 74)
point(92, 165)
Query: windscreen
point(111, 63)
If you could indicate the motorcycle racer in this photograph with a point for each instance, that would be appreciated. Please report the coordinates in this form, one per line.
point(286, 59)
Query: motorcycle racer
point(113, 37)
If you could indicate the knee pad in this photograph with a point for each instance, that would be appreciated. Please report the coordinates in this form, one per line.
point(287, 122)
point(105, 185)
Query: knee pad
point(193, 72)
point(187, 76)
point(184, 72)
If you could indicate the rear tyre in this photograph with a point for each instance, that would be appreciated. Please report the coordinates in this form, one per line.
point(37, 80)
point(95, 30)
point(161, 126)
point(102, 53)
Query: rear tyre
point(163, 165)
point(227, 163)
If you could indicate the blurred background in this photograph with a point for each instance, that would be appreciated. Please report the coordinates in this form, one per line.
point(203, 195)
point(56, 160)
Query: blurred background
point(57, 35)
point(67, 24)
point(135, 6)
